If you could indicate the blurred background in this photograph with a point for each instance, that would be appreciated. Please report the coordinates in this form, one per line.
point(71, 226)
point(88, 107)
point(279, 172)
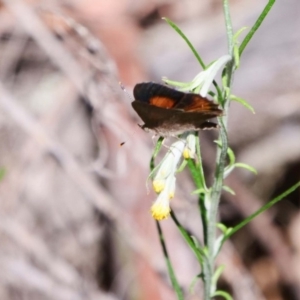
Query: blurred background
point(74, 205)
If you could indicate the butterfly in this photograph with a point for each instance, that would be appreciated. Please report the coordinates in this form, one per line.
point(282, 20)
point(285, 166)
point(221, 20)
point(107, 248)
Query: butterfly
point(168, 112)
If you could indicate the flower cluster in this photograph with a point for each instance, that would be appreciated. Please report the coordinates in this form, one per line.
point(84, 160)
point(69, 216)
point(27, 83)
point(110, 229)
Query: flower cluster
point(164, 180)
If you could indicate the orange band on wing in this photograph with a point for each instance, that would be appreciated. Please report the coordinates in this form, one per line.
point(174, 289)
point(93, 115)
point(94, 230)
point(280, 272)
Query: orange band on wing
point(163, 102)
point(200, 104)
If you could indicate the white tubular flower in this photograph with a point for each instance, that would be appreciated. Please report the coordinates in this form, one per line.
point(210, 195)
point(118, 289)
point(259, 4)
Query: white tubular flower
point(190, 149)
point(161, 207)
point(164, 181)
point(163, 172)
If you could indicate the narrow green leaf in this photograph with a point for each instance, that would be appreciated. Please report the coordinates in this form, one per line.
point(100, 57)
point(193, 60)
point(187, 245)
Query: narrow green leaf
point(231, 167)
point(226, 89)
point(238, 33)
point(229, 151)
point(236, 56)
point(231, 156)
point(155, 152)
point(224, 79)
point(204, 215)
point(256, 25)
point(175, 27)
point(199, 191)
point(261, 210)
point(222, 227)
point(236, 53)
point(203, 80)
point(193, 283)
point(228, 189)
point(196, 172)
point(243, 102)
point(196, 248)
point(223, 294)
point(182, 166)
point(181, 85)
point(190, 86)
point(218, 244)
point(153, 168)
point(228, 170)
point(196, 242)
point(228, 230)
point(196, 169)
point(212, 94)
point(219, 143)
point(217, 275)
point(172, 275)
point(198, 163)
point(246, 166)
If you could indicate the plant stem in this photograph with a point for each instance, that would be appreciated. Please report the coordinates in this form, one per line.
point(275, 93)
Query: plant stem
point(208, 269)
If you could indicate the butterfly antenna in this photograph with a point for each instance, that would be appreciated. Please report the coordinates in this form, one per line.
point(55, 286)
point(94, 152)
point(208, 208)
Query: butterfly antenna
point(124, 89)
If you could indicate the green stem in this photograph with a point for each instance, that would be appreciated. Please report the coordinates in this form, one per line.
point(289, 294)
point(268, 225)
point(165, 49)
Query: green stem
point(213, 211)
point(208, 270)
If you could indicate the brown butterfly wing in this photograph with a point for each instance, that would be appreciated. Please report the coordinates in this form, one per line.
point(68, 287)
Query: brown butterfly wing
point(170, 112)
point(172, 121)
point(157, 94)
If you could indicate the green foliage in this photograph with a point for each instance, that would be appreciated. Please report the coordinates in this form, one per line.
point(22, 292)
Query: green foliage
point(216, 276)
point(203, 80)
point(228, 189)
point(172, 275)
point(243, 102)
point(208, 198)
point(256, 25)
point(176, 28)
point(261, 210)
point(223, 294)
